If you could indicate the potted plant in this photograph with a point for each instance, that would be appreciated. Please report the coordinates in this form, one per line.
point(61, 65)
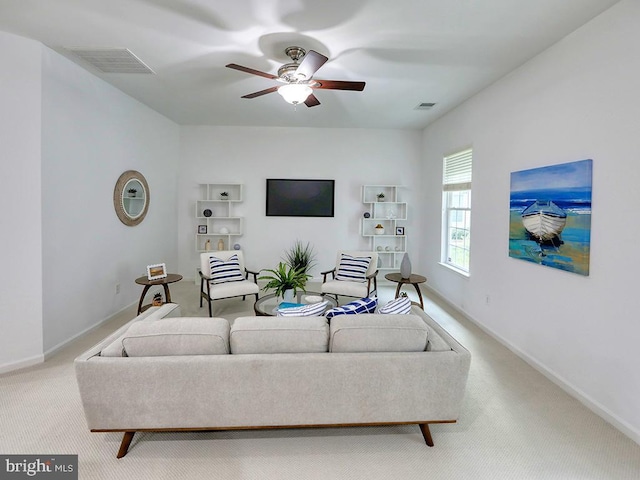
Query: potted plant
point(300, 257)
point(284, 278)
point(380, 197)
point(132, 192)
point(224, 195)
point(379, 229)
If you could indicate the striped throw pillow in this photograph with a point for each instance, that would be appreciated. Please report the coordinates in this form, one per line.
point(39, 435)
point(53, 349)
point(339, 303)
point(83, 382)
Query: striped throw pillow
point(312, 310)
point(364, 305)
point(353, 269)
point(399, 306)
point(225, 271)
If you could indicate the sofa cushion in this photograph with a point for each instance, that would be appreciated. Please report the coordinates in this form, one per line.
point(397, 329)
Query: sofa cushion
point(401, 305)
point(311, 310)
point(378, 333)
point(114, 349)
point(279, 335)
point(177, 336)
point(352, 269)
point(436, 343)
point(225, 271)
point(364, 305)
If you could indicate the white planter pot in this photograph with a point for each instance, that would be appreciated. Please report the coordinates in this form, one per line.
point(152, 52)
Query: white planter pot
point(288, 295)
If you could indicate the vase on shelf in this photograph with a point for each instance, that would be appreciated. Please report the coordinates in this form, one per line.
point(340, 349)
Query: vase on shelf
point(207, 245)
point(405, 266)
point(379, 229)
point(220, 244)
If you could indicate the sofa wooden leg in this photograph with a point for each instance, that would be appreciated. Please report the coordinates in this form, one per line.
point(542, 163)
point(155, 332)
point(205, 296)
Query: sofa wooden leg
point(124, 446)
point(426, 433)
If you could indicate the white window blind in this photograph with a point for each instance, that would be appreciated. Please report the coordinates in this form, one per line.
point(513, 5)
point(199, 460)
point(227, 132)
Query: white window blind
point(457, 171)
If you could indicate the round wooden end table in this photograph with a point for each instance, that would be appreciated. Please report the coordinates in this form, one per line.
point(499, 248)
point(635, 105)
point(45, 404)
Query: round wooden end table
point(170, 278)
point(413, 279)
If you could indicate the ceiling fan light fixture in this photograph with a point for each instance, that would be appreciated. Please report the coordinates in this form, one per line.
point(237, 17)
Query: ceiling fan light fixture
point(295, 93)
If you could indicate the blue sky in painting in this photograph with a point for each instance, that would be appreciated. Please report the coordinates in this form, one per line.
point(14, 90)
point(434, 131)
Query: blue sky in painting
point(563, 176)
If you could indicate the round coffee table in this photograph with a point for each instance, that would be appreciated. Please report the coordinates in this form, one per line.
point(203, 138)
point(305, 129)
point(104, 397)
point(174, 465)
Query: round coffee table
point(412, 280)
point(170, 278)
point(267, 306)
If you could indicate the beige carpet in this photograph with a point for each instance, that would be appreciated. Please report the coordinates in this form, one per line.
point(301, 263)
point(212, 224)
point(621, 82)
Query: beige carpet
point(515, 424)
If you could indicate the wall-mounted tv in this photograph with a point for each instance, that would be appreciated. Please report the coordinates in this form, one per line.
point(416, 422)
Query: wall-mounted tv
point(300, 198)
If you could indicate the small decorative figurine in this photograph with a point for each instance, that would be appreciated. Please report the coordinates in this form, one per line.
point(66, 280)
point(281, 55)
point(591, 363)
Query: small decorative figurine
point(157, 300)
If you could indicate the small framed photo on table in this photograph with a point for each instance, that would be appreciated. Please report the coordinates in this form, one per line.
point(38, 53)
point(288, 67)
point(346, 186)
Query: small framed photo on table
point(157, 271)
point(399, 230)
point(202, 229)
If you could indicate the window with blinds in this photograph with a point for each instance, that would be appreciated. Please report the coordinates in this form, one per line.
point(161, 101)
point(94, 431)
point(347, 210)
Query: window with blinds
point(456, 195)
point(457, 171)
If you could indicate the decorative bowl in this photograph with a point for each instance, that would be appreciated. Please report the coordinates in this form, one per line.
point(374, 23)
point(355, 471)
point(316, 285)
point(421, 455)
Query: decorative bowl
point(313, 298)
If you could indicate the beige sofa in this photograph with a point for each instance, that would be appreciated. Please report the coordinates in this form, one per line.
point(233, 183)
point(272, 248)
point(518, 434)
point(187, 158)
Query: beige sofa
point(183, 374)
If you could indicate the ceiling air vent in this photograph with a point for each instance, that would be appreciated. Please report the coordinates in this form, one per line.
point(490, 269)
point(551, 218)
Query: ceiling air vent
point(425, 106)
point(111, 60)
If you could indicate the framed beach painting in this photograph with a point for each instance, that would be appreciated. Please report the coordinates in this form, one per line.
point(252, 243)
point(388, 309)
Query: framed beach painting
point(157, 271)
point(550, 216)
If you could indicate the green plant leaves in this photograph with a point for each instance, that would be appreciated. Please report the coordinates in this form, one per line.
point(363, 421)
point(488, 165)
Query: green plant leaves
point(284, 277)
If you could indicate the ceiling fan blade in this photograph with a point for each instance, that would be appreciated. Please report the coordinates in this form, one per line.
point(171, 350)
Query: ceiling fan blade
point(251, 71)
point(311, 101)
point(260, 93)
point(340, 85)
point(310, 64)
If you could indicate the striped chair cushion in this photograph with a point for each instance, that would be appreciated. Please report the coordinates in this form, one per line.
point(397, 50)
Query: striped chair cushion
point(225, 271)
point(399, 305)
point(312, 310)
point(353, 269)
point(364, 305)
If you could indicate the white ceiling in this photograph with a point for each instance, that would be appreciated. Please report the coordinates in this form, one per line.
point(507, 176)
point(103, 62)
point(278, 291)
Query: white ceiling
point(407, 51)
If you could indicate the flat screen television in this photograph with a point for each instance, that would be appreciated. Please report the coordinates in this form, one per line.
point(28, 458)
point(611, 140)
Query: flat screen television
point(300, 198)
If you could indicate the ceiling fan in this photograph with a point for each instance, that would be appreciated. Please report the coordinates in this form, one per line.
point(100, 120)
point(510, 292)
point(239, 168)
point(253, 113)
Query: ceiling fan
point(297, 78)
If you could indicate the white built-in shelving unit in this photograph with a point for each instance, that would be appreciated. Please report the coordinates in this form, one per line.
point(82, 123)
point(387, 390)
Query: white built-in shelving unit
point(221, 224)
point(390, 214)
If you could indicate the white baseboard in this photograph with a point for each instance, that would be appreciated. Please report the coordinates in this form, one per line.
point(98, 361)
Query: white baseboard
point(55, 349)
point(24, 363)
point(560, 381)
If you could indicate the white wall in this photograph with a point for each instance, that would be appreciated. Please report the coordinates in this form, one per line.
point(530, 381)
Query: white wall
point(21, 237)
point(575, 101)
point(352, 157)
point(92, 133)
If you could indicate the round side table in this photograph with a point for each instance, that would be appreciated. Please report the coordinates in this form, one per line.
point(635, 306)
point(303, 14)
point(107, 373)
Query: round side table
point(413, 279)
point(170, 278)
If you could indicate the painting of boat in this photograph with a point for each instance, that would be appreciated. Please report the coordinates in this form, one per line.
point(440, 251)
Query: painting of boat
point(544, 220)
point(550, 216)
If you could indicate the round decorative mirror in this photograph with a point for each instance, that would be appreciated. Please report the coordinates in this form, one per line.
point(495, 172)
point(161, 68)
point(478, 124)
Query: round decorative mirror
point(131, 198)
